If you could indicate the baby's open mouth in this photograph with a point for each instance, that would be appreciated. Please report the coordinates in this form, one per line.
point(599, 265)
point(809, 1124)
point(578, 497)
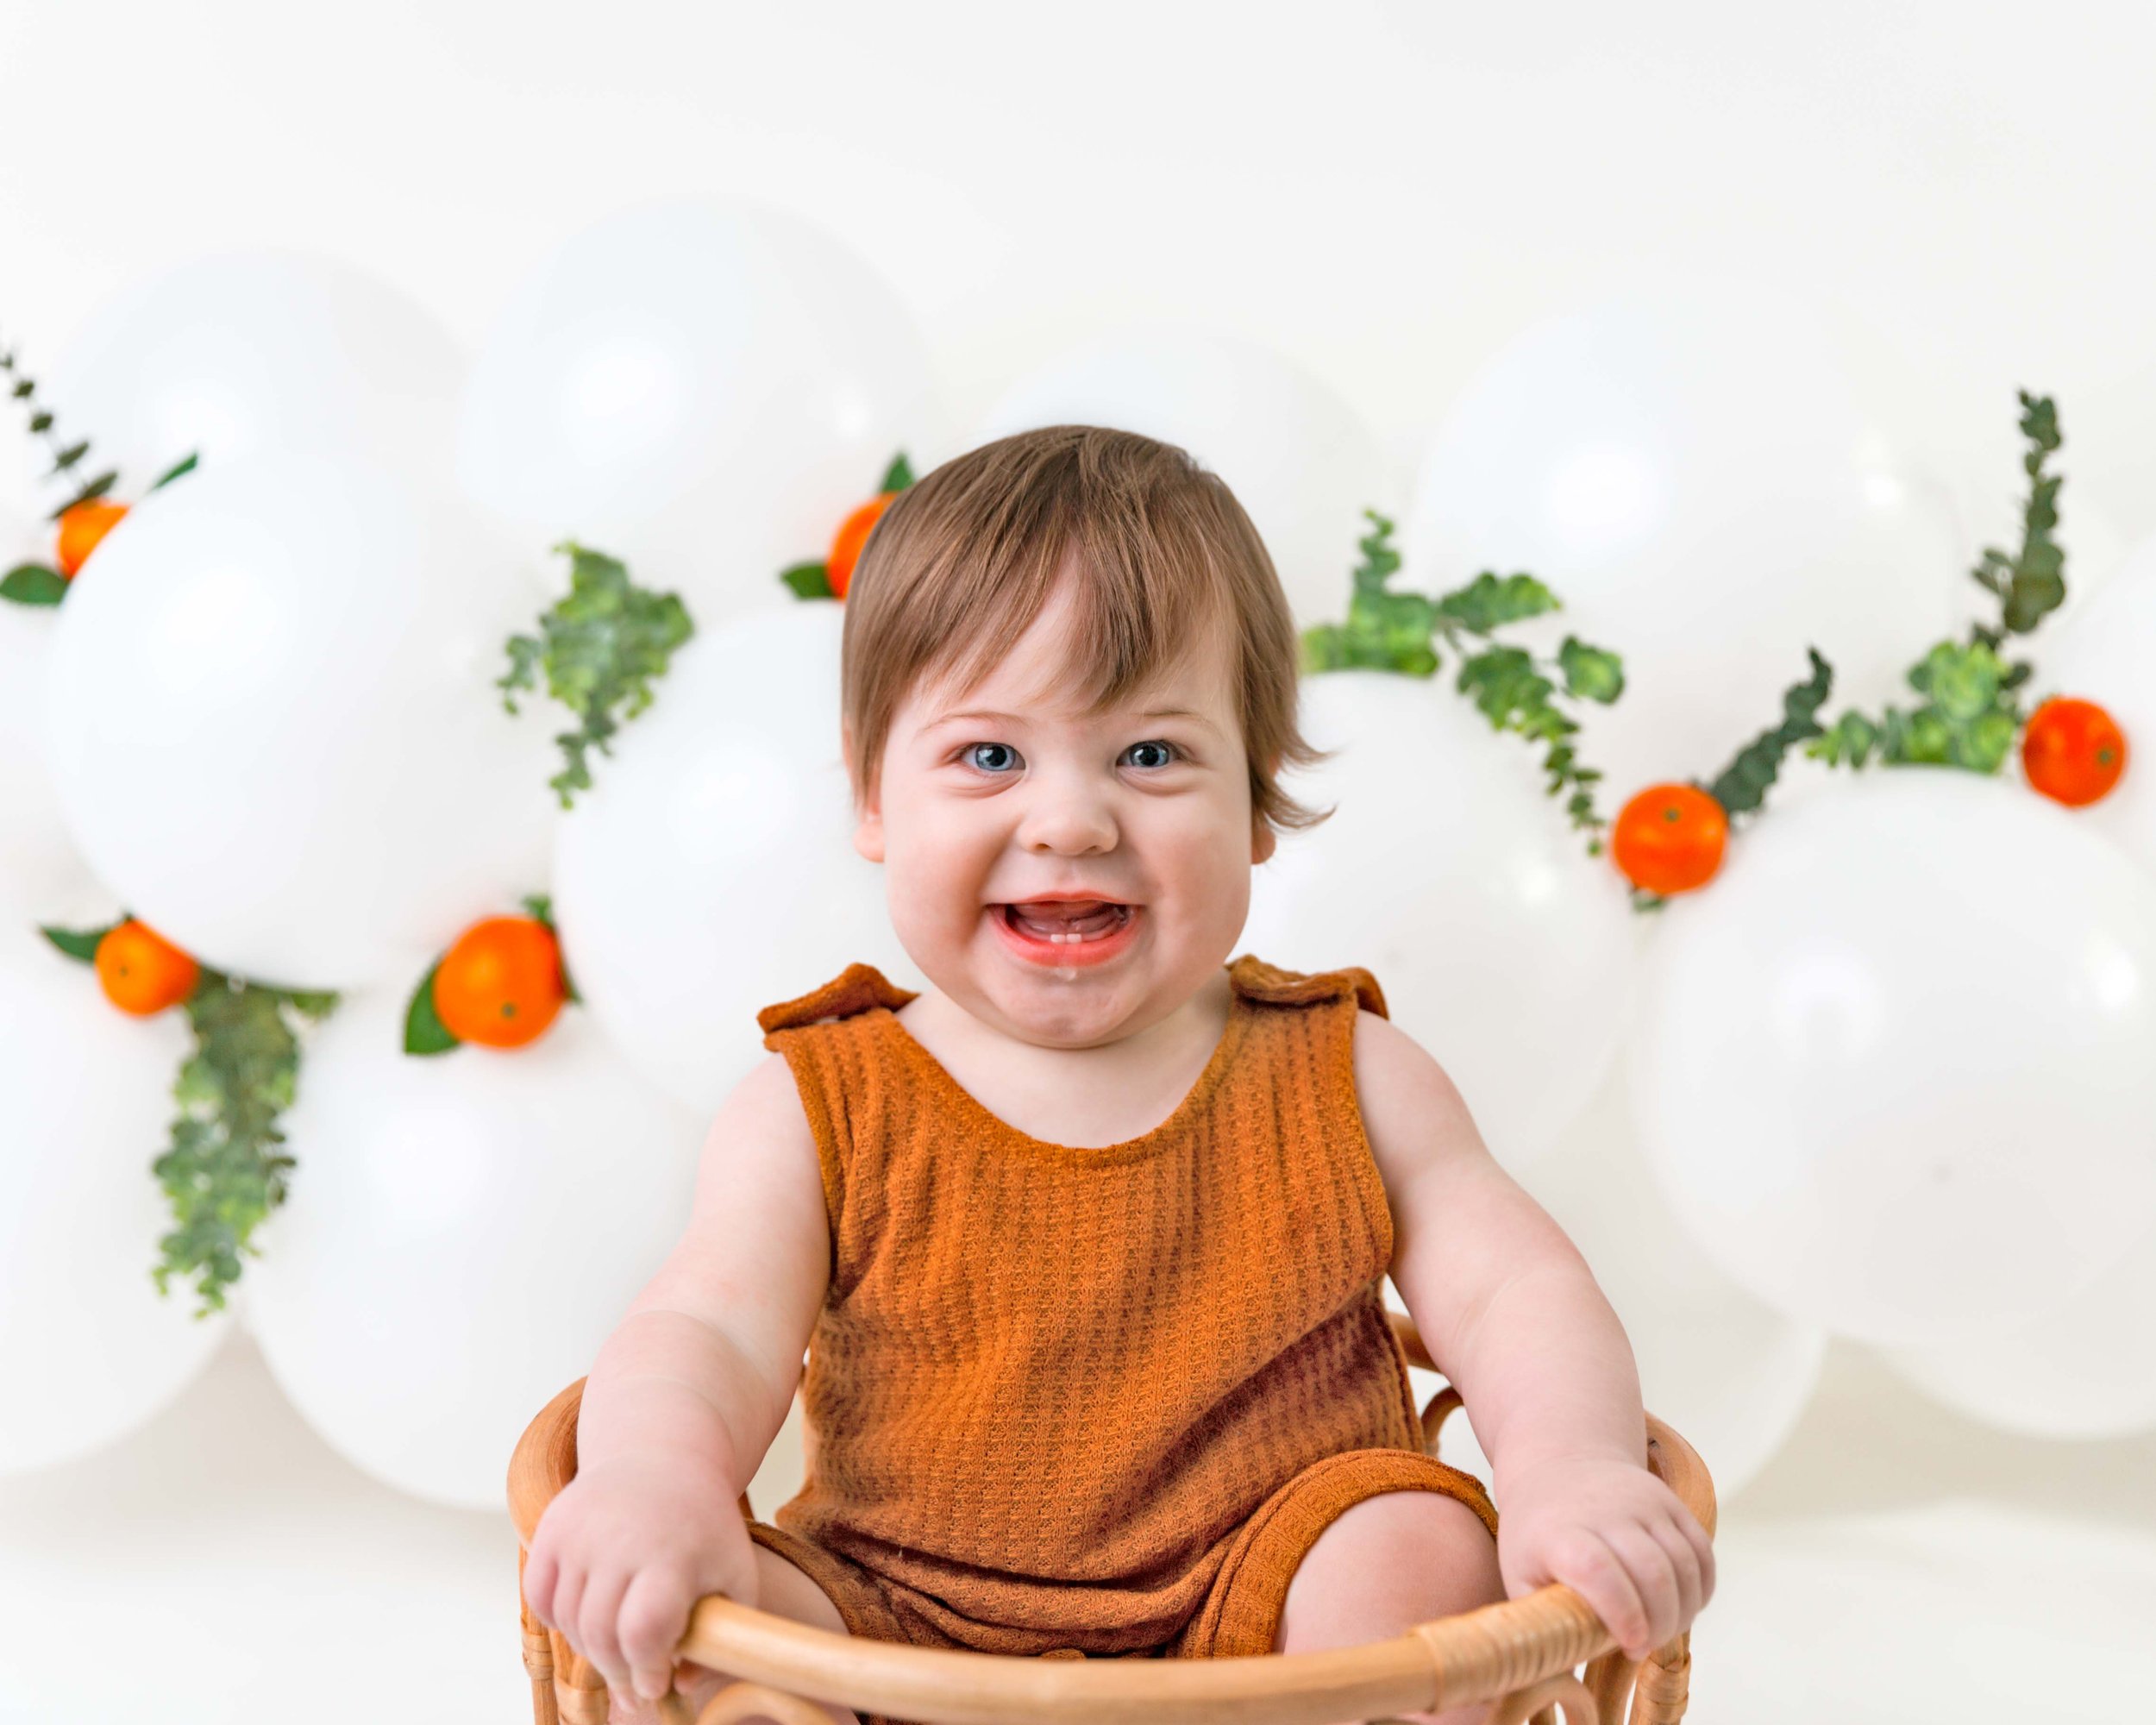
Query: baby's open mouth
point(1068, 921)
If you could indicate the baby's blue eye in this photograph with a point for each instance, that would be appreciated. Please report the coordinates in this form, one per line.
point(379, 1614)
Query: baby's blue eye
point(1167, 752)
point(1171, 753)
point(985, 744)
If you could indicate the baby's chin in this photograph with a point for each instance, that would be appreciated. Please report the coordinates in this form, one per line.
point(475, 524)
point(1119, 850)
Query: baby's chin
point(1035, 1000)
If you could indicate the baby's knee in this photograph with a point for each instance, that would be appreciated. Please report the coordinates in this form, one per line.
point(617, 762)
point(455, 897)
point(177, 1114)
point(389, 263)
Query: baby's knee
point(1390, 1561)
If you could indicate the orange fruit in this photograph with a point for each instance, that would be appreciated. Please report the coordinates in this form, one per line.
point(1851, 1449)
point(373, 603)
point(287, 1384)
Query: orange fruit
point(501, 984)
point(2073, 751)
point(853, 534)
point(1670, 838)
point(142, 972)
point(82, 525)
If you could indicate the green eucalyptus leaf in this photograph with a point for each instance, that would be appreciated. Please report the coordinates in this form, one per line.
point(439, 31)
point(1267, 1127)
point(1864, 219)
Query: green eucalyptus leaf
point(1988, 740)
point(174, 472)
point(1487, 603)
point(89, 494)
point(425, 1032)
point(1591, 672)
point(34, 584)
point(80, 943)
point(808, 581)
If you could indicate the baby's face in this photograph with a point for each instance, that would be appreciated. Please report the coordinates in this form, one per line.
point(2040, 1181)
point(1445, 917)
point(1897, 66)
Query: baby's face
point(1002, 794)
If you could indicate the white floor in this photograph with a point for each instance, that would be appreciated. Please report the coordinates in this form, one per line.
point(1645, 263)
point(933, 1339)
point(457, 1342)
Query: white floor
point(1894, 1564)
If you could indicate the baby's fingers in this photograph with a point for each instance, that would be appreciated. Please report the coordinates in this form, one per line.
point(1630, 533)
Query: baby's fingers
point(1691, 1582)
point(1703, 1548)
point(541, 1572)
point(1588, 1565)
point(654, 1614)
point(568, 1588)
point(597, 1615)
point(1653, 1573)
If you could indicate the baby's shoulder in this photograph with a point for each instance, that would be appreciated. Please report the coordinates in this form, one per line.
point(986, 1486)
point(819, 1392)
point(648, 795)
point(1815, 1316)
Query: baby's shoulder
point(856, 989)
point(1275, 985)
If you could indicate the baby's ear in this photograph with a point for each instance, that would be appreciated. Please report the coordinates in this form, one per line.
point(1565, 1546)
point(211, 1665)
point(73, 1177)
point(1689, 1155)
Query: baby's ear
point(868, 808)
point(1263, 839)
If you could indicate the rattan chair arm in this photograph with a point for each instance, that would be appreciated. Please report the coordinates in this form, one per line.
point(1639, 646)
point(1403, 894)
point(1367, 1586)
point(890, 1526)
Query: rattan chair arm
point(543, 1461)
point(1452, 1661)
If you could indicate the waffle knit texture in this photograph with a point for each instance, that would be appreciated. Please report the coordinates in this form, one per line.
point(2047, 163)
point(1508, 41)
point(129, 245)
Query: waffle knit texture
point(1072, 1401)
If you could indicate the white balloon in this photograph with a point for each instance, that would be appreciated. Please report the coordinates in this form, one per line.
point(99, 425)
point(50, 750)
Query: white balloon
point(1300, 460)
point(712, 871)
point(253, 352)
point(1501, 946)
point(2086, 1371)
point(272, 725)
point(1892, 1065)
point(89, 1349)
point(702, 388)
point(462, 1233)
point(2103, 655)
point(1699, 473)
point(36, 861)
point(1731, 1374)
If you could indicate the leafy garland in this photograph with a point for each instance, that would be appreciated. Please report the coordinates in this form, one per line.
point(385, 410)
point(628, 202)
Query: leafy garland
point(225, 1171)
point(600, 646)
point(1969, 717)
point(1394, 631)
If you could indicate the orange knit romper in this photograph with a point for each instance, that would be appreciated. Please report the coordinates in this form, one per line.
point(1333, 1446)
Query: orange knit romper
point(1094, 1401)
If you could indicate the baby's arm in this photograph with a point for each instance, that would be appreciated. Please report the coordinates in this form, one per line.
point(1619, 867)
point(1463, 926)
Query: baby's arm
point(685, 1396)
point(1513, 1318)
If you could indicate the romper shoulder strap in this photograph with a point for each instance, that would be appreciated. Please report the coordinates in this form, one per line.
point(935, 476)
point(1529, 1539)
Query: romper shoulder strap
point(1255, 979)
point(855, 989)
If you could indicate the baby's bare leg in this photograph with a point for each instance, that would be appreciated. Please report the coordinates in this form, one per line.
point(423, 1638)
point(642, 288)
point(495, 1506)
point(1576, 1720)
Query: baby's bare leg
point(1391, 1561)
point(784, 1591)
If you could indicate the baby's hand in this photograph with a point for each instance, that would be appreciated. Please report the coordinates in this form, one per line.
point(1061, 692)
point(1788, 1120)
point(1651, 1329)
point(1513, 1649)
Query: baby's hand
point(1616, 1535)
point(622, 1552)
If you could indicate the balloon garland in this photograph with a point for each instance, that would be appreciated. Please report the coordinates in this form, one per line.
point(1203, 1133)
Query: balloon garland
point(604, 645)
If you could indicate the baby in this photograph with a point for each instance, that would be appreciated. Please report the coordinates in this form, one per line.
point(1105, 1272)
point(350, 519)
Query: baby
point(1085, 1242)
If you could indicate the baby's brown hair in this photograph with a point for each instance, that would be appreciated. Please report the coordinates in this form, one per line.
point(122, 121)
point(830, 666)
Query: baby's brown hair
point(962, 561)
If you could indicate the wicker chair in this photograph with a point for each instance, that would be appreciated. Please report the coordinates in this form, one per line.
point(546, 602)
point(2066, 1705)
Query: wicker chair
point(1522, 1652)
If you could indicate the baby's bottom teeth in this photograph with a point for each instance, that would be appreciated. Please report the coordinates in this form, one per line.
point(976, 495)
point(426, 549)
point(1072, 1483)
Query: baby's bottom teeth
point(1097, 926)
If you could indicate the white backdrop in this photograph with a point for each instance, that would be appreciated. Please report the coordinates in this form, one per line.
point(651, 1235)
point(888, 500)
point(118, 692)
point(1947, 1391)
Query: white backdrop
point(1385, 190)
